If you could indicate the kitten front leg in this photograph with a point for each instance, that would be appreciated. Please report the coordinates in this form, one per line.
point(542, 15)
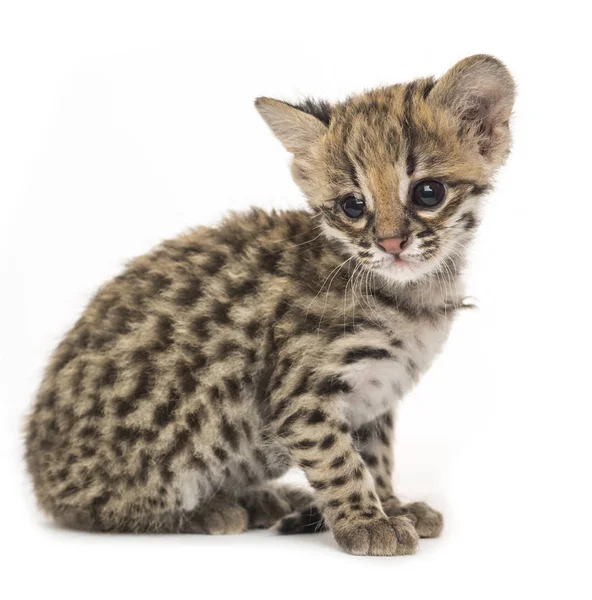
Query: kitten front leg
point(374, 441)
point(311, 428)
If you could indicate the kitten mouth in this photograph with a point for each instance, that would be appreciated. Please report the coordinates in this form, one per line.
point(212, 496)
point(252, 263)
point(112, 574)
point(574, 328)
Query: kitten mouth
point(400, 268)
point(399, 262)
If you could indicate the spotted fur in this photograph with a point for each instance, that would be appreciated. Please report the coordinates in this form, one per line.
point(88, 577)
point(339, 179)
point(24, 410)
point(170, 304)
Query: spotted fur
point(226, 356)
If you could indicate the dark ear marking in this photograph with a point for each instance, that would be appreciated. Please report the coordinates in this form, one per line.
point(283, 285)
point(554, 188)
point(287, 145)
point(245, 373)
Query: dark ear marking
point(296, 129)
point(320, 109)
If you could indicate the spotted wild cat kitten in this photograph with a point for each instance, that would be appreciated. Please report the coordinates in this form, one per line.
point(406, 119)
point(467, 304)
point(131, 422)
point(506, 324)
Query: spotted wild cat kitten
point(222, 358)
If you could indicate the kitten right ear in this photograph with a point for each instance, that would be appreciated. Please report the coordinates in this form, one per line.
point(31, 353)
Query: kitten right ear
point(296, 129)
point(480, 91)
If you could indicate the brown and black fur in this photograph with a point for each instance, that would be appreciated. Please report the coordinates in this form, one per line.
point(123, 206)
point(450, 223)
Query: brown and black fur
point(216, 362)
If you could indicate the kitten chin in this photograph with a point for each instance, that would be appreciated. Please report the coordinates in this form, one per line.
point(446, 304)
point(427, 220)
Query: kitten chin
point(403, 271)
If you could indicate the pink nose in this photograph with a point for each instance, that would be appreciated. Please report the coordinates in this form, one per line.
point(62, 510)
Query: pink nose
point(393, 245)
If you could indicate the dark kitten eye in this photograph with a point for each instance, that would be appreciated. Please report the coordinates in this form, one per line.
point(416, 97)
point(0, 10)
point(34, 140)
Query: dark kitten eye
point(353, 207)
point(428, 193)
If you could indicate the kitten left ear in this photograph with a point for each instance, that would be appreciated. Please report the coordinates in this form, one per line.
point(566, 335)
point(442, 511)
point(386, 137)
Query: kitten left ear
point(296, 129)
point(480, 91)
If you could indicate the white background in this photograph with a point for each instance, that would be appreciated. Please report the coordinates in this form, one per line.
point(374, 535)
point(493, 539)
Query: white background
point(122, 123)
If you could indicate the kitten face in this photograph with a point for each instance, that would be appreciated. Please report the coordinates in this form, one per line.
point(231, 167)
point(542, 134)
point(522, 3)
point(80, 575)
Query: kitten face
point(396, 174)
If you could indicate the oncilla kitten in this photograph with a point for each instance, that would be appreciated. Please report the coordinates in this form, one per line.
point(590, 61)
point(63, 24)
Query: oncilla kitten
point(224, 357)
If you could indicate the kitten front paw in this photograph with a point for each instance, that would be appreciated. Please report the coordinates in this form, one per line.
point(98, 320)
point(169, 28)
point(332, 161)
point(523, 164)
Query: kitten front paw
point(385, 536)
point(427, 522)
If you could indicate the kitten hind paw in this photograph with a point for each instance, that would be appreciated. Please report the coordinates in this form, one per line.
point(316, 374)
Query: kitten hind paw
point(218, 518)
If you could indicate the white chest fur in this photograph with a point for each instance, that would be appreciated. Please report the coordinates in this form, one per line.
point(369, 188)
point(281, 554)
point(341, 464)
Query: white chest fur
point(377, 384)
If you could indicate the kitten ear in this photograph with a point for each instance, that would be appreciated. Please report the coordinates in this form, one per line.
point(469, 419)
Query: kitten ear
point(295, 128)
point(480, 91)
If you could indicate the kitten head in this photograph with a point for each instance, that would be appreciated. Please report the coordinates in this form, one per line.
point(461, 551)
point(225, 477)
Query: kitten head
point(397, 173)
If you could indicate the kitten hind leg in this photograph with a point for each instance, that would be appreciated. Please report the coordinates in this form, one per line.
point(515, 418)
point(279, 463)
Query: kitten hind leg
point(219, 516)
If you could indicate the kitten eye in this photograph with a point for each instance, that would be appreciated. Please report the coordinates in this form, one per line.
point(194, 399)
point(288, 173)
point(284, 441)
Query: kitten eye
point(428, 193)
point(353, 207)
